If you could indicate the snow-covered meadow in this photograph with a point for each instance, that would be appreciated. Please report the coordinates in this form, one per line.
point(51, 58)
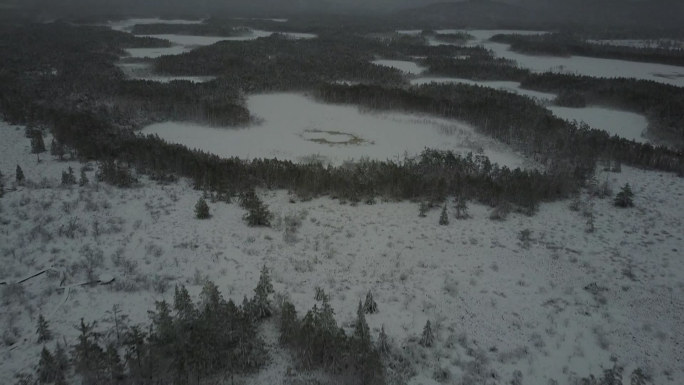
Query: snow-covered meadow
point(536, 294)
point(295, 127)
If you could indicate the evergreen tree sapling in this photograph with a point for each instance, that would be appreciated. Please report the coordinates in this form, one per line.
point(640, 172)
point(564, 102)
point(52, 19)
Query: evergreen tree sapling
point(47, 367)
point(37, 143)
point(257, 212)
point(43, 330)
point(624, 197)
point(261, 304)
point(369, 305)
point(83, 180)
point(444, 217)
point(383, 342)
point(68, 177)
point(427, 338)
point(423, 209)
point(19, 175)
point(201, 209)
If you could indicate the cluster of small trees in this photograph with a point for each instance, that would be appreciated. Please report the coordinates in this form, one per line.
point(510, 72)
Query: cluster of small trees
point(185, 342)
point(317, 342)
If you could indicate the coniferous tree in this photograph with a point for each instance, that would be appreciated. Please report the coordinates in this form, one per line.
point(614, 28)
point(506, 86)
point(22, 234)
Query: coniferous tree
point(83, 180)
point(423, 209)
point(88, 357)
point(427, 338)
point(288, 322)
point(68, 177)
point(62, 362)
point(444, 217)
point(383, 342)
point(261, 302)
point(115, 369)
point(461, 208)
point(624, 197)
point(37, 143)
point(19, 175)
point(369, 305)
point(361, 329)
point(2, 186)
point(182, 304)
point(47, 367)
point(43, 329)
point(57, 149)
point(257, 212)
point(201, 209)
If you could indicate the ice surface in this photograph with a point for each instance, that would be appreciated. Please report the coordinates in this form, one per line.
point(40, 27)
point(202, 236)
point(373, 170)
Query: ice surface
point(624, 124)
point(295, 127)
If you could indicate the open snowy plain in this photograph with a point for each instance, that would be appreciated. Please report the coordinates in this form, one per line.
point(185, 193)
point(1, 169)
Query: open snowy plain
point(558, 304)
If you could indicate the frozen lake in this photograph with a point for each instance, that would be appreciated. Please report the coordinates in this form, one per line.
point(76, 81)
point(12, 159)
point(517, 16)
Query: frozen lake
point(624, 124)
point(297, 128)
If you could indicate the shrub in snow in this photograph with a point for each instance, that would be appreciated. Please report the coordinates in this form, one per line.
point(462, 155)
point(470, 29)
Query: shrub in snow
point(68, 177)
point(19, 175)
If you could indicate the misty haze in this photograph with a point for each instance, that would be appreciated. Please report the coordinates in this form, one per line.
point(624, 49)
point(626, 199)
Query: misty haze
point(341, 192)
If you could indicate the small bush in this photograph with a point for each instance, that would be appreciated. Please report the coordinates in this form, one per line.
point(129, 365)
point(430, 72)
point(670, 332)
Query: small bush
point(202, 209)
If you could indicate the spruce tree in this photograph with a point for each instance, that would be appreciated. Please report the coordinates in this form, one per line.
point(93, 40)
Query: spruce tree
point(369, 305)
point(201, 209)
point(37, 143)
point(19, 175)
point(83, 180)
point(43, 330)
point(624, 197)
point(182, 304)
point(57, 149)
point(115, 369)
point(68, 177)
point(288, 322)
point(423, 209)
point(47, 367)
point(383, 342)
point(361, 329)
point(257, 212)
point(461, 208)
point(261, 303)
point(427, 338)
point(2, 186)
point(444, 217)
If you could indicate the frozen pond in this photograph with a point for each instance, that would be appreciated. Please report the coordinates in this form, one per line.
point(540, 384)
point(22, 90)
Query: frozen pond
point(402, 65)
point(624, 124)
point(294, 127)
point(581, 65)
point(143, 71)
point(500, 85)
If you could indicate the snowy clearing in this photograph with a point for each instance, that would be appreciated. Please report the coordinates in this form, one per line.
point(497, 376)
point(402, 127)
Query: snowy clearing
point(557, 304)
point(288, 122)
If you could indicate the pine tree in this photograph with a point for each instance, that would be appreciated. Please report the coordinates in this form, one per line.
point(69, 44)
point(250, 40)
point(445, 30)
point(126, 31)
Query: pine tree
point(83, 180)
point(37, 143)
point(47, 367)
point(261, 303)
point(383, 342)
point(369, 306)
point(182, 303)
point(68, 177)
point(115, 369)
point(257, 212)
point(88, 357)
point(43, 330)
point(288, 322)
point(624, 197)
point(57, 149)
point(19, 175)
point(461, 208)
point(423, 209)
point(361, 329)
point(61, 360)
point(427, 339)
point(201, 209)
point(2, 186)
point(444, 217)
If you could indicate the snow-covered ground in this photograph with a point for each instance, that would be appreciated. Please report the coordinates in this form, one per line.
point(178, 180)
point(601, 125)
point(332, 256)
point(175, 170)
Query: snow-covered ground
point(559, 305)
point(297, 128)
point(624, 124)
point(408, 67)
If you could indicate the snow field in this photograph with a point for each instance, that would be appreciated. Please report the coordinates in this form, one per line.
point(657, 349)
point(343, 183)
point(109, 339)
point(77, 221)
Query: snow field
point(498, 302)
